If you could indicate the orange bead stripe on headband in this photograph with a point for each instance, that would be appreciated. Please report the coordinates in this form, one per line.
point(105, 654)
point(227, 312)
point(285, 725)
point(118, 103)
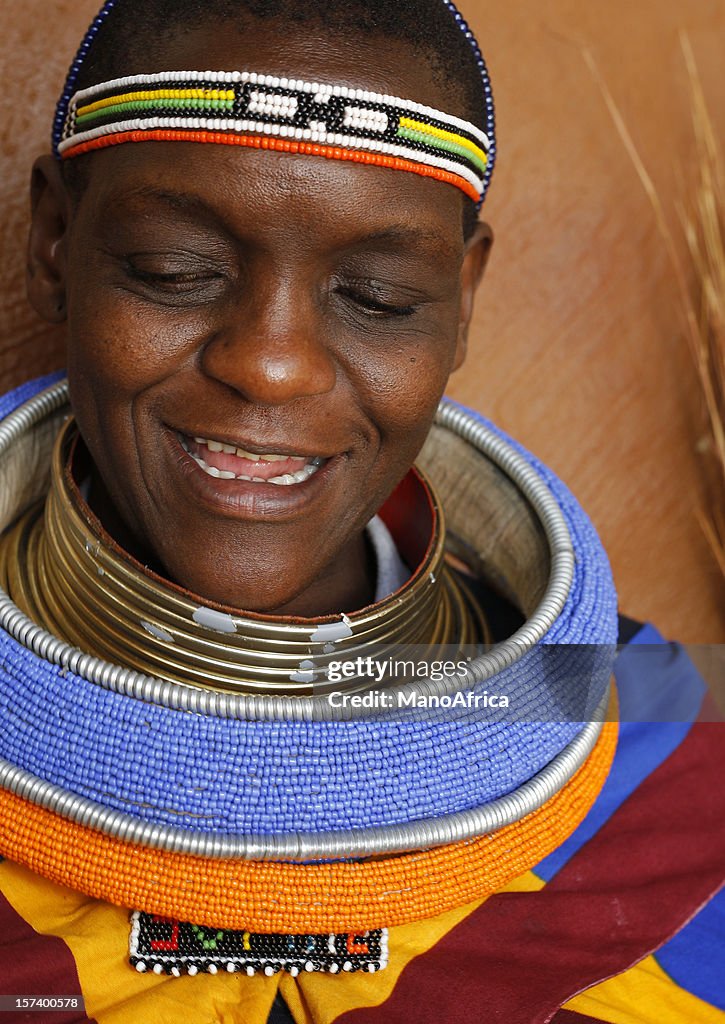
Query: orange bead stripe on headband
point(267, 896)
point(282, 145)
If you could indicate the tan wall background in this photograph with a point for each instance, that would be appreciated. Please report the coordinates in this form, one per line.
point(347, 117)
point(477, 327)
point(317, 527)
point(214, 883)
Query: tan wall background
point(576, 348)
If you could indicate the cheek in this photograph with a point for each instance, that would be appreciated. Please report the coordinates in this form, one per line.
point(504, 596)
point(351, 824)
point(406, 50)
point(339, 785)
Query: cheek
point(117, 355)
point(122, 348)
point(402, 391)
point(400, 397)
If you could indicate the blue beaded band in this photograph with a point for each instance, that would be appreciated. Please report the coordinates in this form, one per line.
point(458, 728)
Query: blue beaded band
point(233, 776)
point(490, 125)
point(69, 87)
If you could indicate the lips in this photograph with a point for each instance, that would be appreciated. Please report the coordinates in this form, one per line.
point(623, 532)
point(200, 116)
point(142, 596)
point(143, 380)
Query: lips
point(225, 461)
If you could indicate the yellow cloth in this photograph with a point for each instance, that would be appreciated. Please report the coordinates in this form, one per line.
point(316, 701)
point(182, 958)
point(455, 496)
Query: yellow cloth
point(97, 935)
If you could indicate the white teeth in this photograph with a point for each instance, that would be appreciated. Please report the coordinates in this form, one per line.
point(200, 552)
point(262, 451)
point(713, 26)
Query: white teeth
point(242, 453)
point(222, 474)
point(289, 478)
point(294, 478)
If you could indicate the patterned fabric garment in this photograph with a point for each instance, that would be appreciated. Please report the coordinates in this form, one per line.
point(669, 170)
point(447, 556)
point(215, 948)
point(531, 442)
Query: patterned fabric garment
point(622, 923)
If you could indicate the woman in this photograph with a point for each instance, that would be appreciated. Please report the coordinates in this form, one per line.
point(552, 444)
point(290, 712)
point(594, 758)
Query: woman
point(261, 227)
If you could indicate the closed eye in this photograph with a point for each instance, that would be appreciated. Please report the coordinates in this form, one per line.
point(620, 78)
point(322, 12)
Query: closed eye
point(374, 305)
point(174, 282)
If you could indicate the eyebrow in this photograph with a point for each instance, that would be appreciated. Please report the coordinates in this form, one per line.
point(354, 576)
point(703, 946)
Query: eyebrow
point(406, 235)
point(178, 200)
point(184, 202)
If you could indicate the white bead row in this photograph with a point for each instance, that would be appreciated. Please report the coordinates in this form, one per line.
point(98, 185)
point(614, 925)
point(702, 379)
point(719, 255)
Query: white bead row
point(269, 969)
point(365, 119)
point(273, 105)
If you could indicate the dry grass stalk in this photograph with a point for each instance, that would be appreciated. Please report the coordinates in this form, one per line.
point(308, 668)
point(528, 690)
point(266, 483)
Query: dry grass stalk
point(700, 282)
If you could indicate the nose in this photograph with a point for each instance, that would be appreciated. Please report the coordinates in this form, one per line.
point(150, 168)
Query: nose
point(271, 348)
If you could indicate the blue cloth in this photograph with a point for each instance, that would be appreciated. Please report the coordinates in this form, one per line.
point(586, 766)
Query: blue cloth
point(650, 691)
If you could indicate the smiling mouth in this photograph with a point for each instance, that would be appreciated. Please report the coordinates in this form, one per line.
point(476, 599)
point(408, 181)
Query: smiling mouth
point(226, 462)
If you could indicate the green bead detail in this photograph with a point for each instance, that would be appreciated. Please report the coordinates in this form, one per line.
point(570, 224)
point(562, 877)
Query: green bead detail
point(445, 144)
point(200, 934)
point(189, 103)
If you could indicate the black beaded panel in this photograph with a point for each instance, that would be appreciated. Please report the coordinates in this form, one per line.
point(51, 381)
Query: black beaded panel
point(172, 947)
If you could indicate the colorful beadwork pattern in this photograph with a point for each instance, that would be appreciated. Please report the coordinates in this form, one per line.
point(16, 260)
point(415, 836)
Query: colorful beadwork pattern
point(246, 109)
point(167, 946)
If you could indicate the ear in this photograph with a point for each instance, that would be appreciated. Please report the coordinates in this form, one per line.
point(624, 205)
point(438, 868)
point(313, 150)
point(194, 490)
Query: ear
point(475, 258)
point(46, 259)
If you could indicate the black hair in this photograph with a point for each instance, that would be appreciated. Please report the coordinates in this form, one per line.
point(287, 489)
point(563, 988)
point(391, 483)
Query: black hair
point(427, 26)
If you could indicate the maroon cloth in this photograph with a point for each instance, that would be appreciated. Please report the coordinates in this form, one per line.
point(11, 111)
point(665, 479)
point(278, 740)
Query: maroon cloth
point(35, 965)
point(646, 872)
point(572, 1017)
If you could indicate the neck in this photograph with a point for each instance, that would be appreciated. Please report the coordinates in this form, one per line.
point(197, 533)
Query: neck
point(346, 584)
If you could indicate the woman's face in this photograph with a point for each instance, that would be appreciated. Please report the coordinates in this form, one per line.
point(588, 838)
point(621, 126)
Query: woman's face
point(301, 314)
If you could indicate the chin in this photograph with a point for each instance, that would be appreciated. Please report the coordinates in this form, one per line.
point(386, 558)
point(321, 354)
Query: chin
point(261, 588)
point(252, 598)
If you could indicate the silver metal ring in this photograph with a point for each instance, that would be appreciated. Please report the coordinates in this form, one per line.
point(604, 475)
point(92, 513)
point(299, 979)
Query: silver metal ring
point(315, 708)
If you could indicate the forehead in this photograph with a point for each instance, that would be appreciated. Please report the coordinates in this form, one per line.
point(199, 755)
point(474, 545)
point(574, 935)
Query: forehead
point(296, 203)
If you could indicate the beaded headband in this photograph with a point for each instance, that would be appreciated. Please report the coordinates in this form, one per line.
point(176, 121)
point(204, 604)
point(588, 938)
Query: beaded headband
point(247, 109)
point(241, 108)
